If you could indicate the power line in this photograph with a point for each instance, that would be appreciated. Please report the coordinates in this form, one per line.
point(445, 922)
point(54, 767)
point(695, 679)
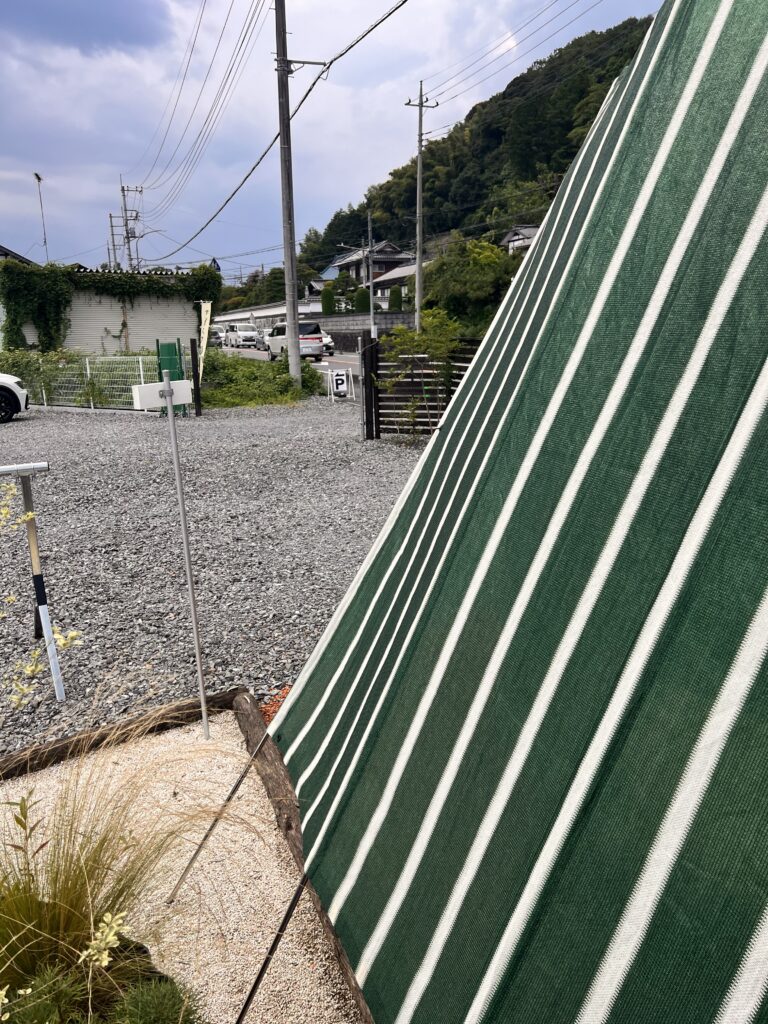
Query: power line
point(227, 87)
point(165, 108)
point(539, 88)
point(157, 182)
point(321, 74)
point(486, 48)
point(512, 34)
point(520, 56)
point(555, 78)
point(181, 87)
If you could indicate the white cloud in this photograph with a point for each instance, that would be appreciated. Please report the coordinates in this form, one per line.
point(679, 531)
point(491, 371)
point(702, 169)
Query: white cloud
point(83, 118)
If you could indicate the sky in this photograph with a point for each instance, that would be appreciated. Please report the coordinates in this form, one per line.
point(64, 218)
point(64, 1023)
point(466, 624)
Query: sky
point(96, 89)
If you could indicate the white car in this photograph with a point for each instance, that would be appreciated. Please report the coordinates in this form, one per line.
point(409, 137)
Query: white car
point(241, 336)
point(310, 340)
point(13, 397)
point(328, 346)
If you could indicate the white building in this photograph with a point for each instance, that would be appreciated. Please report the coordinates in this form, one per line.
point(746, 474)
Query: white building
point(267, 316)
point(102, 325)
point(386, 257)
point(402, 276)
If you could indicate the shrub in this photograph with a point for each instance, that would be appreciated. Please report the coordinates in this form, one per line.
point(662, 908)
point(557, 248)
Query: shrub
point(395, 299)
point(328, 300)
point(157, 1002)
point(362, 301)
point(54, 995)
point(65, 871)
point(37, 371)
point(232, 381)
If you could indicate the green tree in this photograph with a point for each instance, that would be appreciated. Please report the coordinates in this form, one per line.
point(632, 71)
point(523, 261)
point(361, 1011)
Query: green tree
point(534, 125)
point(395, 298)
point(362, 301)
point(328, 300)
point(440, 335)
point(313, 250)
point(469, 282)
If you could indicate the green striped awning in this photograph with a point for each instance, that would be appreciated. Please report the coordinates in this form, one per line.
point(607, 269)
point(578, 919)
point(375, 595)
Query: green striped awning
point(531, 749)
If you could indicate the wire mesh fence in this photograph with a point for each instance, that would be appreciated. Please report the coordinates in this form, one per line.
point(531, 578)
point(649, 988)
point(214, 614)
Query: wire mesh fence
point(91, 382)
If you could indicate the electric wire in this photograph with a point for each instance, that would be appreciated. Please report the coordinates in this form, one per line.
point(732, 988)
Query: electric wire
point(201, 12)
point(159, 124)
point(539, 88)
point(519, 57)
point(486, 49)
point(168, 163)
point(553, 80)
point(248, 38)
point(321, 74)
point(453, 80)
point(196, 155)
point(243, 40)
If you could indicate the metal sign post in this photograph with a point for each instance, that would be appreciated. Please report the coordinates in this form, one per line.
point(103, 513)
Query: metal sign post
point(24, 474)
point(154, 396)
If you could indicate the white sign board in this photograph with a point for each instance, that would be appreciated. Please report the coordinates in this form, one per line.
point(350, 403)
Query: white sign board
point(339, 379)
point(147, 396)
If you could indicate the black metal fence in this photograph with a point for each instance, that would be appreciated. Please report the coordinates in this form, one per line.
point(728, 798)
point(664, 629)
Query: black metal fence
point(409, 394)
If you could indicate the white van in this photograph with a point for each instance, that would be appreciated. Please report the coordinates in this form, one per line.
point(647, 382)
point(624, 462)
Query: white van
point(241, 336)
point(310, 340)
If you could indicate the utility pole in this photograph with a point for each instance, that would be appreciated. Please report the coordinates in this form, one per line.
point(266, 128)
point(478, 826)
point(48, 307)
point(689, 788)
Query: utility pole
point(128, 216)
point(126, 233)
point(284, 70)
point(374, 333)
point(38, 179)
point(422, 105)
point(113, 261)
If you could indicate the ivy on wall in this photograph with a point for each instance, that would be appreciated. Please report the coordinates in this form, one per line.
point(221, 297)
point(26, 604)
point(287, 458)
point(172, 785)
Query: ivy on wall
point(43, 295)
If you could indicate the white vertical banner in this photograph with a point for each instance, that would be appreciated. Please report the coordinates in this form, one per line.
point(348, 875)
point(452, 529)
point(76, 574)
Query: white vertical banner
point(205, 326)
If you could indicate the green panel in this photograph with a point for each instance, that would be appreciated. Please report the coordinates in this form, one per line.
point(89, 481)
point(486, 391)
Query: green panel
point(478, 581)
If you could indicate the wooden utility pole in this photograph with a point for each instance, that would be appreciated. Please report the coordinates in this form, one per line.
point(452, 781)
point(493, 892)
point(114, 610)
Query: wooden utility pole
point(113, 261)
point(374, 332)
point(422, 105)
point(286, 177)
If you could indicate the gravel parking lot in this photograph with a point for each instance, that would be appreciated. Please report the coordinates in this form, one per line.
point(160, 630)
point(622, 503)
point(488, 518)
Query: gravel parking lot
point(283, 504)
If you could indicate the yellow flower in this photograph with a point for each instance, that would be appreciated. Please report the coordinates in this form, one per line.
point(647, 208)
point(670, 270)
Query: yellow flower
point(105, 938)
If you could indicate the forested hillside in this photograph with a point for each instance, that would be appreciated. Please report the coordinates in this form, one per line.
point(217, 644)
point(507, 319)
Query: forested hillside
point(503, 163)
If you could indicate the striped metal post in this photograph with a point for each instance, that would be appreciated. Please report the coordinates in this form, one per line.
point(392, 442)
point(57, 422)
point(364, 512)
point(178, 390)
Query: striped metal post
point(41, 598)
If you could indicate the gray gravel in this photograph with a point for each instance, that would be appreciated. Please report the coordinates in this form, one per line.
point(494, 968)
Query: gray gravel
point(283, 504)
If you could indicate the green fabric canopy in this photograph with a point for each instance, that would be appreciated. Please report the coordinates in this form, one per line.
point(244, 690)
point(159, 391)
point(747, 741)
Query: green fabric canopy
point(531, 749)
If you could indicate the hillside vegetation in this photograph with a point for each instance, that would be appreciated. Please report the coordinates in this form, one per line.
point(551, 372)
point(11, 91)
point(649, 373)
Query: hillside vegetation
point(500, 166)
point(503, 163)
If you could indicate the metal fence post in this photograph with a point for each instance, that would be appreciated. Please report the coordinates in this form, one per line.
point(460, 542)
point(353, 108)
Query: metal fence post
point(370, 391)
point(167, 393)
point(88, 377)
point(193, 354)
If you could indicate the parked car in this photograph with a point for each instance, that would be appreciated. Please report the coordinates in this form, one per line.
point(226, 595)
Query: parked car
point(310, 340)
point(240, 336)
point(328, 346)
point(216, 337)
point(13, 397)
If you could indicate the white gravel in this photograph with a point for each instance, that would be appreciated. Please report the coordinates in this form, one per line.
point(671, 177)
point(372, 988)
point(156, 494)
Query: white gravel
point(215, 935)
point(283, 504)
